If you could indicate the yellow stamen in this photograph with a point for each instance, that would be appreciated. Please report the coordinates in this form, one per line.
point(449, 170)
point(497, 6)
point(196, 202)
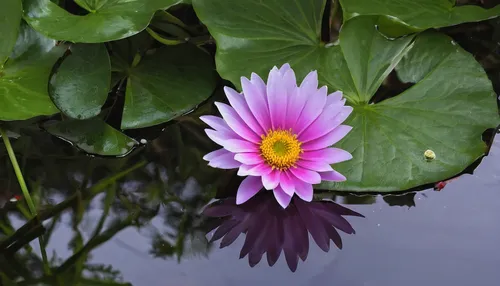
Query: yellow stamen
point(280, 149)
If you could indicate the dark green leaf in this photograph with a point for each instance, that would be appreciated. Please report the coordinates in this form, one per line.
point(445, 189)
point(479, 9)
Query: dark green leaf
point(106, 20)
point(359, 43)
point(254, 35)
point(80, 86)
point(24, 78)
point(10, 19)
point(447, 111)
point(123, 51)
point(417, 15)
point(167, 84)
point(93, 136)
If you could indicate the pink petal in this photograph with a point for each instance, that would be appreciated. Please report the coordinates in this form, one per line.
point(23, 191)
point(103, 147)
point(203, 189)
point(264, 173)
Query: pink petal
point(282, 197)
point(214, 154)
point(254, 170)
point(327, 140)
point(286, 183)
point(299, 97)
point(236, 123)
point(332, 176)
point(313, 109)
point(325, 123)
point(248, 188)
point(220, 137)
point(215, 122)
point(271, 180)
point(296, 102)
point(284, 68)
point(224, 161)
point(327, 155)
point(240, 146)
point(261, 170)
point(276, 98)
point(291, 93)
point(249, 158)
point(333, 98)
point(255, 96)
point(239, 104)
point(305, 175)
point(290, 81)
point(318, 166)
point(243, 170)
point(304, 190)
point(310, 83)
point(219, 125)
point(259, 83)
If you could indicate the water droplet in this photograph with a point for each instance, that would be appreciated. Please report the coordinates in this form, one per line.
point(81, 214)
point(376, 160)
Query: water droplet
point(144, 141)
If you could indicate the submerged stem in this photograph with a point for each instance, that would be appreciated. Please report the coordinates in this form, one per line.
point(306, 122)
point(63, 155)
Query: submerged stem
point(165, 41)
point(26, 194)
point(17, 170)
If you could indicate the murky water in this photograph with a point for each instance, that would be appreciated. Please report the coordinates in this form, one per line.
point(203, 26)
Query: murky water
point(145, 227)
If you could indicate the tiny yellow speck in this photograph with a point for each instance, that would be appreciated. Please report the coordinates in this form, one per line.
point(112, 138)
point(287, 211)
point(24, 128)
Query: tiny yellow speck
point(429, 155)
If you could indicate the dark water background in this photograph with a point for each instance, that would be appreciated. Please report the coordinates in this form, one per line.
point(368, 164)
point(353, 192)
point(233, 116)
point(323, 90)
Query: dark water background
point(447, 237)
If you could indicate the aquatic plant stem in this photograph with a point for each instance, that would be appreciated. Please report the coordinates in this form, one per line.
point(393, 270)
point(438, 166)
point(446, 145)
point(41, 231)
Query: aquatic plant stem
point(18, 172)
point(26, 194)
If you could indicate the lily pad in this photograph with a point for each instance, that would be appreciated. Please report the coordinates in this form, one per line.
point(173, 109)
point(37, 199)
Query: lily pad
point(253, 36)
point(24, 78)
point(446, 111)
point(80, 86)
point(167, 84)
point(106, 20)
point(93, 136)
point(417, 15)
point(10, 20)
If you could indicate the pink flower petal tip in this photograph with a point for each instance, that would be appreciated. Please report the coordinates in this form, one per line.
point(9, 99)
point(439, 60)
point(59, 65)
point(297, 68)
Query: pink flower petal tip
point(281, 134)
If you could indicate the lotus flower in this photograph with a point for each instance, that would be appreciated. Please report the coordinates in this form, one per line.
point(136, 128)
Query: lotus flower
point(279, 135)
point(271, 229)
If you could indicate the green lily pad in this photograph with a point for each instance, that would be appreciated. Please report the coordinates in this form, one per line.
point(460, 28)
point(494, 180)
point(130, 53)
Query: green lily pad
point(417, 15)
point(253, 36)
point(93, 136)
point(106, 20)
point(446, 111)
point(80, 86)
point(166, 84)
point(24, 78)
point(10, 19)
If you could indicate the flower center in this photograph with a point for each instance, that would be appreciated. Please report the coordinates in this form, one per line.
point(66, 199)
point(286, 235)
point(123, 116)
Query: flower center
point(280, 149)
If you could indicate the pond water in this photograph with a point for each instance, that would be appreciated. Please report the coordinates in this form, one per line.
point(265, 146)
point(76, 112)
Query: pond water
point(144, 225)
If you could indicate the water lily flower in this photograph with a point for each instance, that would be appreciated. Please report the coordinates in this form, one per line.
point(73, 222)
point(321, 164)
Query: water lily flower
point(271, 230)
point(279, 135)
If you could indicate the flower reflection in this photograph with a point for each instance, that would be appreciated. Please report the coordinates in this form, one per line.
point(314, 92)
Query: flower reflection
point(271, 229)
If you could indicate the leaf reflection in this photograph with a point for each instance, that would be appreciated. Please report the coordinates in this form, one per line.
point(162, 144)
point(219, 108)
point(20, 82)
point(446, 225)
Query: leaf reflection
point(271, 229)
